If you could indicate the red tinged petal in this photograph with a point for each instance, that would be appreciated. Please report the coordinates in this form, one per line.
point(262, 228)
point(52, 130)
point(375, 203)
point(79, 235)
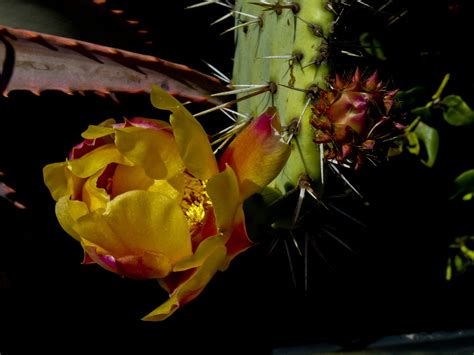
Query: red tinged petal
point(86, 146)
point(257, 154)
point(238, 241)
point(191, 287)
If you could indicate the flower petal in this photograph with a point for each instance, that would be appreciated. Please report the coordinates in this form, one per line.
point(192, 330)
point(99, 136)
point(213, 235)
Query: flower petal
point(128, 178)
point(68, 212)
point(155, 150)
point(203, 251)
point(257, 154)
point(238, 241)
point(56, 180)
point(96, 160)
point(144, 266)
point(104, 129)
point(137, 222)
point(93, 196)
point(192, 287)
point(223, 190)
point(191, 138)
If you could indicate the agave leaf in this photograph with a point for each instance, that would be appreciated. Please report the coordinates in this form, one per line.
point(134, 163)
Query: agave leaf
point(7, 192)
point(36, 62)
point(458, 112)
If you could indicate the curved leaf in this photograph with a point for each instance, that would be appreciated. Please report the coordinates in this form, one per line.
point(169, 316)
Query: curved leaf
point(458, 112)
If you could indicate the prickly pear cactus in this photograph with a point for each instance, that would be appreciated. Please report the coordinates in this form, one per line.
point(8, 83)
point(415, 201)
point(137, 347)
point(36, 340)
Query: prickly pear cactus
point(283, 44)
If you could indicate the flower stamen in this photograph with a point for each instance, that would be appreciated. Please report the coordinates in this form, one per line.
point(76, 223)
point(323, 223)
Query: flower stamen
point(195, 201)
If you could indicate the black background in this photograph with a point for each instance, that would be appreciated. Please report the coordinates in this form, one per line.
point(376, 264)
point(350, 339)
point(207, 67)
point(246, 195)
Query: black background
point(394, 284)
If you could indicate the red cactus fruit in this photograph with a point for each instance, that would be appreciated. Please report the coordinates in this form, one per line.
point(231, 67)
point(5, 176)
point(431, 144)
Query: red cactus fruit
point(352, 120)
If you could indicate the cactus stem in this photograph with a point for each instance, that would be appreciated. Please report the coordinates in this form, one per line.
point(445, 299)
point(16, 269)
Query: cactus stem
point(315, 29)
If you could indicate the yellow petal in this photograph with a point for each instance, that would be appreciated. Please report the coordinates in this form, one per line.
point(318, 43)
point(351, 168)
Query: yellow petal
point(95, 230)
point(93, 196)
point(61, 181)
point(137, 222)
point(191, 138)
point(155, 150)
point(128, 178)
point(257, 154)
point(203, 251)
point(190, 288)
point(94, 132)
point(223, 191)
point(145, 266)
point(173, 188)
point(56, 180)
point(96, 160)
point(68, 212)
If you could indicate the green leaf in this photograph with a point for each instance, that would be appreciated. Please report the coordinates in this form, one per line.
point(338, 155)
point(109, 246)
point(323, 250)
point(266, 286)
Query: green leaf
point(430, 138)
point(464, 185)
point(458, 112)
point(424, 112)
point(372, 45)
point(413, 143)
point(410, 97)
point(449, 270)
point(458, 263)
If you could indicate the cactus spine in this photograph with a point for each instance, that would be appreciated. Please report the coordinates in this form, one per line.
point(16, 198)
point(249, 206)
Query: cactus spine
point(283, 43)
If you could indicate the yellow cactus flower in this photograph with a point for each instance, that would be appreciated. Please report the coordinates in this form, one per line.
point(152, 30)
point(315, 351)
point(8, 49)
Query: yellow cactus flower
point(147, 198)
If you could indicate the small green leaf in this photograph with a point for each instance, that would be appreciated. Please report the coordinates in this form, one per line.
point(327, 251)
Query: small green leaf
point(423, 112)
point(411, 96)
point(458, 263)
point(413, 143)
point(449, 270)
point(464, 185)
point(372, 45)
point(467, 252)
point(458, 112)
point(430, 138)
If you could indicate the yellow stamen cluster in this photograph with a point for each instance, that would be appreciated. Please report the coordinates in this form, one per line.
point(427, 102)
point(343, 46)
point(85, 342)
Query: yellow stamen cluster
point(195, 201)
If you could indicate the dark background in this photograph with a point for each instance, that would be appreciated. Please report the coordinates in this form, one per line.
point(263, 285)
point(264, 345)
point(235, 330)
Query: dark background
point(392, 283)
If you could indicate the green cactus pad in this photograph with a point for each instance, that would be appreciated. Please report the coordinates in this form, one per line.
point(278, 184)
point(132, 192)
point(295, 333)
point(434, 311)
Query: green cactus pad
point(295, 31)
